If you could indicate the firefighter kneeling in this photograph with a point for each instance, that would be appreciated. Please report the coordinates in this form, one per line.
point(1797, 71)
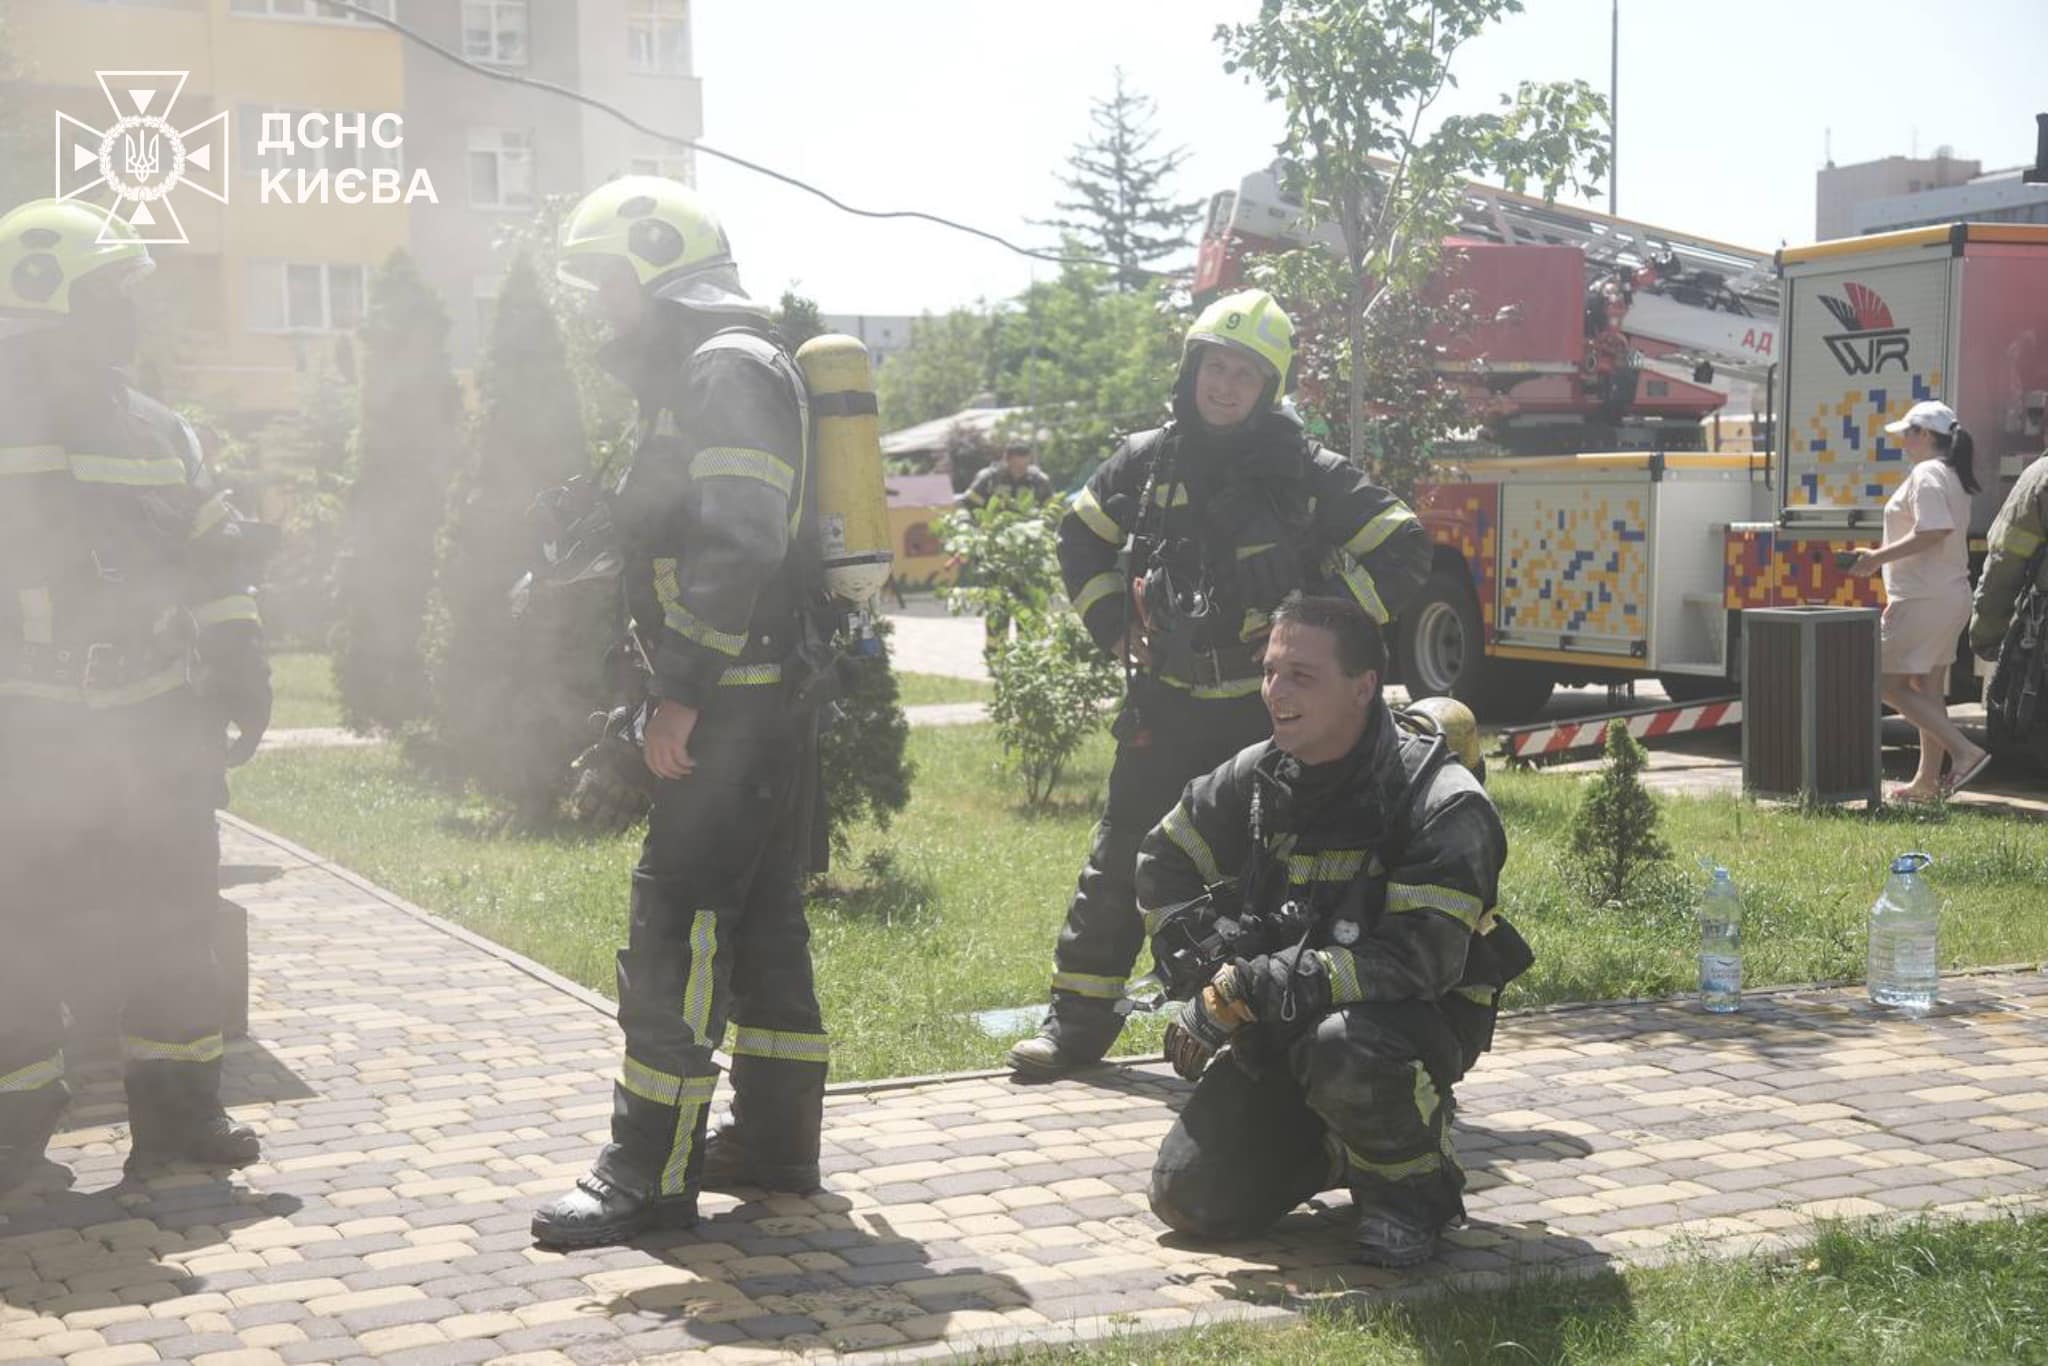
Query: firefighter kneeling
point(1349, 962)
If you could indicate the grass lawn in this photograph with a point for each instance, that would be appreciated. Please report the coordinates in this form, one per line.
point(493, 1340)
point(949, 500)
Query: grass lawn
point(918, 690)
point(303, 687)
point(1933, 1293)
point(955, 908)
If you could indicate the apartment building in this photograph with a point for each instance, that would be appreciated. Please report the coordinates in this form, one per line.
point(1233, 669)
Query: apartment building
point(269, 289)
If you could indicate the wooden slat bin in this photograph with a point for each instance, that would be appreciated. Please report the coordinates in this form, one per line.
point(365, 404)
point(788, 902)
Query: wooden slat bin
point(1810, 709)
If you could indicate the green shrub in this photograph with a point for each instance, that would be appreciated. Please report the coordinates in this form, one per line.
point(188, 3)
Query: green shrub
point(1614, 842)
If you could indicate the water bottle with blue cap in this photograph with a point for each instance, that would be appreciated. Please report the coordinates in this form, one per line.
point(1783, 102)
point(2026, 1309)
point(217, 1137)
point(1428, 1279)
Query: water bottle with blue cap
point(1905, 938)
point(1720, 943)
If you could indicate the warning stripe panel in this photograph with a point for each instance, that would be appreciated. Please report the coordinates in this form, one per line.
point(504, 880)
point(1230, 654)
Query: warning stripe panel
point(1544, 741)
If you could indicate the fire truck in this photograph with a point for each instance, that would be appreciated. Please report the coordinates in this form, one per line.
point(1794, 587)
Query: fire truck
point(1606, 521)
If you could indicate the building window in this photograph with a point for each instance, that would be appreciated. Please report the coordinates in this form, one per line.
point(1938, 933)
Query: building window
point(292, 296)
point(500, 168)
point(672, 167)
point(255, 159)
point(658, 37)
point(494, 31)
point(312, 9)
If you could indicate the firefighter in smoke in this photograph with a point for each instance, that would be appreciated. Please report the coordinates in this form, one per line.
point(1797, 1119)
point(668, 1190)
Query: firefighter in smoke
point(1175, 553)
point(129, 644)
point(1356, 860)
point(713, 517)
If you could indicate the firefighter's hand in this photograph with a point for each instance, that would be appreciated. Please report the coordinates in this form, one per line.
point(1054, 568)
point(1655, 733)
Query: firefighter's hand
point(1207, 1022)
point(668, 740)
point(1136, 644)
point(1865, 564)
point(249, 713)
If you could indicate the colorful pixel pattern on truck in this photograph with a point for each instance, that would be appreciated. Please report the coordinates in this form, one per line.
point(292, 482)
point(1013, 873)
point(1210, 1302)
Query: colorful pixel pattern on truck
point(1465, 519)
point(1578, 565)
point(1844, 436)
point(1762, 571)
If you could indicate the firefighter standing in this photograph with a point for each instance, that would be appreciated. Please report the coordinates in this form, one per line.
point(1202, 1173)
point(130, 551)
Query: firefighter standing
point(1376, 859)
point(2016, 574)
point(1012, 475)
point(1218, 515)
point(713, 517)
point(129, 642)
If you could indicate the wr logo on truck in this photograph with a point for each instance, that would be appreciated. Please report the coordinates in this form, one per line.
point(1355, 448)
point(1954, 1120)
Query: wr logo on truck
point(1871, 340)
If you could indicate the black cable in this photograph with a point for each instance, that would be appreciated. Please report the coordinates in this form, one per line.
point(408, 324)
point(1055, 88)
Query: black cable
point(579, 97)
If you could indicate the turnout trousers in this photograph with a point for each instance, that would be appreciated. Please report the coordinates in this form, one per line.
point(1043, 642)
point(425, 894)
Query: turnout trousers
point(110, 864)
point(1183, 737)
point(717, 934)
point(1363, 1100)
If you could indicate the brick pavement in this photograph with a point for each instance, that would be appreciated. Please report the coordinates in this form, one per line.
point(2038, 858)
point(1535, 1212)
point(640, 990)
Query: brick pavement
point(420, 1091)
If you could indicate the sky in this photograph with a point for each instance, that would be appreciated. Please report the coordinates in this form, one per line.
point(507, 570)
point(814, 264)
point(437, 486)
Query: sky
point(969, 108)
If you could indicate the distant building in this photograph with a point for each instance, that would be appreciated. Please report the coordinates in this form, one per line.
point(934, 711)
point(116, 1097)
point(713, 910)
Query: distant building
point(1839, 189)
point(2000, 197)
point(1909, 192)
point(883, 334)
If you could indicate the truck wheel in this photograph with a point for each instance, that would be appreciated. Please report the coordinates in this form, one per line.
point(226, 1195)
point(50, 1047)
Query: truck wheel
point(1441, 644)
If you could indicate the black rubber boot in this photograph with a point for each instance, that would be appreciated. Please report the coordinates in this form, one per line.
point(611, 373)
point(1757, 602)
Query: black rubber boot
point(1071, 1037)
point(24, 1169)
point(1392, 1240)
point(596, 1213)
point(212, 1140)
point(729, 1165)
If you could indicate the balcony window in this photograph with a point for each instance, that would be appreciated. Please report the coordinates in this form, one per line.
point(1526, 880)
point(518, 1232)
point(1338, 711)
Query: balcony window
point(658, 37)
point(500, 168)
point(494, 31)
point(293, 296)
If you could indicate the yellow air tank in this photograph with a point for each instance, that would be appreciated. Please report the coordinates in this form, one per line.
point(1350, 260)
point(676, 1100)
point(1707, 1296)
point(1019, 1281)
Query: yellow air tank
point(853, 509)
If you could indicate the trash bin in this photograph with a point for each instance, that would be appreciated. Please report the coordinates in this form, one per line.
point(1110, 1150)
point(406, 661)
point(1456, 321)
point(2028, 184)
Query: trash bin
point(1810, 707)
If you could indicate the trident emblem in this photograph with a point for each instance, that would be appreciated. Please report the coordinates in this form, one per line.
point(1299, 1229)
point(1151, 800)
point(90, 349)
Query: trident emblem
point(142, 155)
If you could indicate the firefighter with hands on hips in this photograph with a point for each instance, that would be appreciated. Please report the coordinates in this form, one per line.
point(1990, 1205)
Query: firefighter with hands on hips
point(1175, 554)
point(129, 644)
point(1324, 905)
point(713, 518)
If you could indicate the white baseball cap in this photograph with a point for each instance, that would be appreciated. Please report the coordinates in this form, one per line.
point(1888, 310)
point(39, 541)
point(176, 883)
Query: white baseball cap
point(1931, 416)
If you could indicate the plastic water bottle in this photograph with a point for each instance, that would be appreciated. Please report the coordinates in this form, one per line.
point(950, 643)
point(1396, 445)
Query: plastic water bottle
point(1904, 938)
point(1721, 945)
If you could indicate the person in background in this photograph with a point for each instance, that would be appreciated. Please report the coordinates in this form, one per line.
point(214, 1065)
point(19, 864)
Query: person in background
point(1925, 560)
point(1012, 475)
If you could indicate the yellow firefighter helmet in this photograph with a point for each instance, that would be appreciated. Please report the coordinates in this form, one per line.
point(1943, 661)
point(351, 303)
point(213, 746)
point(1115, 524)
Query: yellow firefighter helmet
point(1253, 322)
point(48, 246)
point(664, 233)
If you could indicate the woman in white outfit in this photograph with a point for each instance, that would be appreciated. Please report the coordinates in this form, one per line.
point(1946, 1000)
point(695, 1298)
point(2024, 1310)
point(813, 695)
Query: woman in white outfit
point(1925, 559)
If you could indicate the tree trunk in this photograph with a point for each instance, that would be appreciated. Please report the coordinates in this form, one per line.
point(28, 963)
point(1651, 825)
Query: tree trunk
point(1351, 212)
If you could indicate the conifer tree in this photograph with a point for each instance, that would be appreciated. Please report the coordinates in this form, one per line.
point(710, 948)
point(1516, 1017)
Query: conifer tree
point(512, 695)
point(405, 448)
point(1121, 209)
point(1614, 834)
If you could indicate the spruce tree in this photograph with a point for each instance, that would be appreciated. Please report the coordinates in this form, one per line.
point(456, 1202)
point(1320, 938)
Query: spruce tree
point(405, 448)
point(1121, 209)
point(512, 695)
point(1614, 834)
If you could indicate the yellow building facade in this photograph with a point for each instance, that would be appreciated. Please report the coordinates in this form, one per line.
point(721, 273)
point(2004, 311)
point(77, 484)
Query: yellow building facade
point(263, 293)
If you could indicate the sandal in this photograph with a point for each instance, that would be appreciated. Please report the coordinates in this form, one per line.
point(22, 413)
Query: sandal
point(1904, 795)
point(1961, 778)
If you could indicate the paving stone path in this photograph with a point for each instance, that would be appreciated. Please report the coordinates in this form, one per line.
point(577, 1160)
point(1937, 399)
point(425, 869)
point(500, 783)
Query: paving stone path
point(420, 1090)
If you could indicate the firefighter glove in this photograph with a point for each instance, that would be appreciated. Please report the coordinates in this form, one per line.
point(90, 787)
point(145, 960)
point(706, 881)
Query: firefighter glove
point(1208, 1022)
point(1288, 991)
point(613, 786)
point(235, 678)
